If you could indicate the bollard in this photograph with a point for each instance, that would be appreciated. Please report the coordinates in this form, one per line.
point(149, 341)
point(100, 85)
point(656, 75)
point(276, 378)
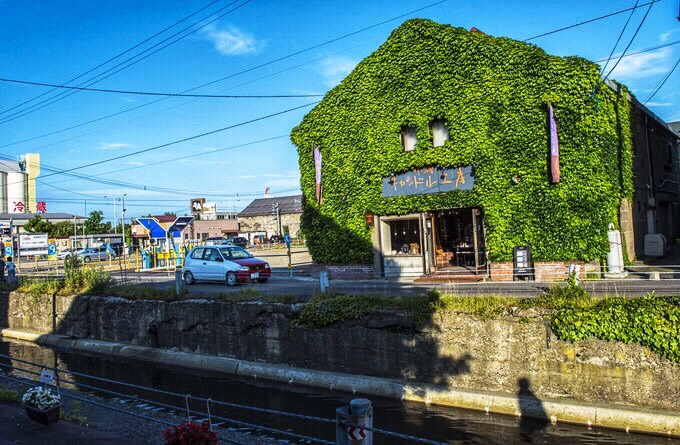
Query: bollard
point(360, 414)
point(323, 281)
point(178, 281)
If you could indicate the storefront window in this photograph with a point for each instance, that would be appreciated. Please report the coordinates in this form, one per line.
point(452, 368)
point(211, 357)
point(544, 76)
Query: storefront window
point(402, 237)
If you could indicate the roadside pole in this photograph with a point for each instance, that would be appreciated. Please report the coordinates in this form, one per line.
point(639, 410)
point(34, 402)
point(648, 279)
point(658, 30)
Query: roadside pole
point(350, 422)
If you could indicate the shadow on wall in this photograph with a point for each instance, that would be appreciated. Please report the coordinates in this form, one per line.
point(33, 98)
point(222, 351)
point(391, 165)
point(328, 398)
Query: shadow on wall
point(533, 415)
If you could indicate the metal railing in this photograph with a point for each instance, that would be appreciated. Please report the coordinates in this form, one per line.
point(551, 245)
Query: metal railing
point(342, 424)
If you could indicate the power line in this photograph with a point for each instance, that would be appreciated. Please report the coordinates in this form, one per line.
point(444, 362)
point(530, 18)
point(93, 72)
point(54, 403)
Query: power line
point(646, 50)
point(234, 74)
point(98, 77)
point(184, 139)
point(630, 16)
point(114, 57)
point(152, 93)
point(590, 20)
point(661, 84)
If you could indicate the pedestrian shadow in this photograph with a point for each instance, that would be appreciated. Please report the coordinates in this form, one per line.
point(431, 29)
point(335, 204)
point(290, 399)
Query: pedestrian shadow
point(533, 416)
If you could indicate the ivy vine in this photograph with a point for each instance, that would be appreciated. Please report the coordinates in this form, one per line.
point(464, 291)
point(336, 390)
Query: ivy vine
point(494, 94)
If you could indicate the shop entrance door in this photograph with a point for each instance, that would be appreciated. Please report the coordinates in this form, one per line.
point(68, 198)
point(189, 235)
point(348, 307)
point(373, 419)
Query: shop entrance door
point(458, 240)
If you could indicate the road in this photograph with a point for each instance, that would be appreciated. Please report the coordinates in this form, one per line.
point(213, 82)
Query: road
point(305, 287)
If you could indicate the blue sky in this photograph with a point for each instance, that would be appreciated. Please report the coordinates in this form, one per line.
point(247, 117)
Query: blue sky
point(52, 42)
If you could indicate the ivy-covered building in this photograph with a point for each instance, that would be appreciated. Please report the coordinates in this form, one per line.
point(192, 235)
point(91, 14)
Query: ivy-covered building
point(445, 150)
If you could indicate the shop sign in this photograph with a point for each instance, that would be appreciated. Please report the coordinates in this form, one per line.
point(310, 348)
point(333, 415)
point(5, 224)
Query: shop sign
point(33, 244)
point(428, 180)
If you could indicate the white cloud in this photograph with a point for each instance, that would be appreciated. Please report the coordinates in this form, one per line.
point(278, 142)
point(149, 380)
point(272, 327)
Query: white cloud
point(247, 177)
point(231, 41)
point(664, 37)
point(643, 65)
point(336, 68)
point(114, 146)
point(659, 104)
point(135, 163)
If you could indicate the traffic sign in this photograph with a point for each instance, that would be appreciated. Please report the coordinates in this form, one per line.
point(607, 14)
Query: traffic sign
point(9, 251)
point(355, 433)
point(51, 249)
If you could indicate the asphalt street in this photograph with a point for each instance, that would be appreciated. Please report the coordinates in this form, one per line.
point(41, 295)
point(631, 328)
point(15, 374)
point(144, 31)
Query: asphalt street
point(282, 284)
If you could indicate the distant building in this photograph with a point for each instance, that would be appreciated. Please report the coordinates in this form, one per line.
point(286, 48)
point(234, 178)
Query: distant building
point(271, 216)
point(17, 185)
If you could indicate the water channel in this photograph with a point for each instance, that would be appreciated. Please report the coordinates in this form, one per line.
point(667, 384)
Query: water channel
point(443, 424)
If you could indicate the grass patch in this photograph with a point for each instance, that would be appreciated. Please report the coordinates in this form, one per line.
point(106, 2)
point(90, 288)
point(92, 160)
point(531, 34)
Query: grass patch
point(9, 395)
point(249, 294)
point(74, 413)
point(146, 292)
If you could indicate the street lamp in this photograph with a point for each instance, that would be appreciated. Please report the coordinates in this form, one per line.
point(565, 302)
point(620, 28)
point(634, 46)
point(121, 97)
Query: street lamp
point(123, 225)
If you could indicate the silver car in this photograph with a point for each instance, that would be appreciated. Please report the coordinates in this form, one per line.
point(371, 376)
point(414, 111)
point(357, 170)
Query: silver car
point(95, 254)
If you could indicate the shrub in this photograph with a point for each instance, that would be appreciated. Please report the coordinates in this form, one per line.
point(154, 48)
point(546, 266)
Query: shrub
point(190, 433)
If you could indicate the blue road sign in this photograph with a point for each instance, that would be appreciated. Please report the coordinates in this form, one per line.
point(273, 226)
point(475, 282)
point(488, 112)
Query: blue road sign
point(287, 238)
point(51, 249)
point(9, 251)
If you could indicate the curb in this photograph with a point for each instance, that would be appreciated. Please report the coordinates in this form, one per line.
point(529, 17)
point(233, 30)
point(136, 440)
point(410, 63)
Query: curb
point(664, 423)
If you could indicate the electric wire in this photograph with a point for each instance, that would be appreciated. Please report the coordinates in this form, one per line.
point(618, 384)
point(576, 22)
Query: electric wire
point(663, 81)
point(229, 127)
point(645, 50)
point(114, 57)
point(630, 16)
point(231, 75)
point(601, 82)
point(588, 21)
point(154, 93)
point(98, 77)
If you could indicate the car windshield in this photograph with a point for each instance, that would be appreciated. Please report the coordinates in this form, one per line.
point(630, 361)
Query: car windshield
point(234, 253)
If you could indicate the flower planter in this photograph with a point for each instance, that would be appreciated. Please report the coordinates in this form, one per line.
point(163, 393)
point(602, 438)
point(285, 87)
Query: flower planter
point(47, 416)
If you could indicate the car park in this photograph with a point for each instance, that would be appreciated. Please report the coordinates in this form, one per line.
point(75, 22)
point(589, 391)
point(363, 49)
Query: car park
point(237, 241)
point(95, 254)
point(228, 263)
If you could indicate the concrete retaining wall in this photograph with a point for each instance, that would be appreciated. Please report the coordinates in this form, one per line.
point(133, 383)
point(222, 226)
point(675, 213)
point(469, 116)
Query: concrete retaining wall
point(450, 354)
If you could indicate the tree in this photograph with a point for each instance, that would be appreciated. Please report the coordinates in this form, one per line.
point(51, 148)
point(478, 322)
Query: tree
point(62, 229)
point(37, 225)
point(94, 224)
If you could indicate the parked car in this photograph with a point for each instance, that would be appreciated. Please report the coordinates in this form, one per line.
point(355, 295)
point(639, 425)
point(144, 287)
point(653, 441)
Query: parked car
point(260, 239)
point(95, 254)
point(117, 248)
point(277, 239)
point(215, 240)
point(237, 241)
point(224, 263)
point(66, 252)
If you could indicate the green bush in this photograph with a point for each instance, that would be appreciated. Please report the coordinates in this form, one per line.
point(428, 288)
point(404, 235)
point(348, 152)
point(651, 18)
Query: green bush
point(9, 395)
point(650, 321)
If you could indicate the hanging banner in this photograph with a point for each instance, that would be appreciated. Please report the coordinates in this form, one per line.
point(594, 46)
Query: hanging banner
point(317, 165)
point(428, 180)
point(554, 149)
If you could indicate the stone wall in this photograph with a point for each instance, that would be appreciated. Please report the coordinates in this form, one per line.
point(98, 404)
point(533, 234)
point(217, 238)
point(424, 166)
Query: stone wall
point(456, 350)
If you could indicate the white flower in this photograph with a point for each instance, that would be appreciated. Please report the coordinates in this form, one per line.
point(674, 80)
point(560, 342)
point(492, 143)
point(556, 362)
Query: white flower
point(41, 398)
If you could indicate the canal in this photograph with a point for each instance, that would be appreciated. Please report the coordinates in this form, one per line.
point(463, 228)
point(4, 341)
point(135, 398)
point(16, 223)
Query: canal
point(443, 424)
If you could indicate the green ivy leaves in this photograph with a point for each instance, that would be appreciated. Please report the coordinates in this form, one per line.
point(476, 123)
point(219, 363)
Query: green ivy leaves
point(494, 94)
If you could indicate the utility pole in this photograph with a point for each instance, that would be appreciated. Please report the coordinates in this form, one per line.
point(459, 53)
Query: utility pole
point(123, 225)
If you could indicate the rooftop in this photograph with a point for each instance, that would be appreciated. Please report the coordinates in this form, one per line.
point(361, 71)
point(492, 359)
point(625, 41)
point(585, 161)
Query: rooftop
point(267, 206)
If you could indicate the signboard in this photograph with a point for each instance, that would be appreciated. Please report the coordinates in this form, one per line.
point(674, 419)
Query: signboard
point(47, 376)
point(428, 180)
point(522, 261)
point(5, 228)
point(31, 244)
point(197, 206)
point(9, 251)
point(180, 224)
point(153, 227)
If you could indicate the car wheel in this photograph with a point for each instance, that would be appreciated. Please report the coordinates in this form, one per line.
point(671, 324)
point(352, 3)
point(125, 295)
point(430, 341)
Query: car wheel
point(262, 280)
point(189, 278)
point(87, 259)
point(231, 279)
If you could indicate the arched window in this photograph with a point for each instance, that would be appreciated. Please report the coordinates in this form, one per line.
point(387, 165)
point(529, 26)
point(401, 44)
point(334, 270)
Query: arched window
point(439, 131)
point(408, 138)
